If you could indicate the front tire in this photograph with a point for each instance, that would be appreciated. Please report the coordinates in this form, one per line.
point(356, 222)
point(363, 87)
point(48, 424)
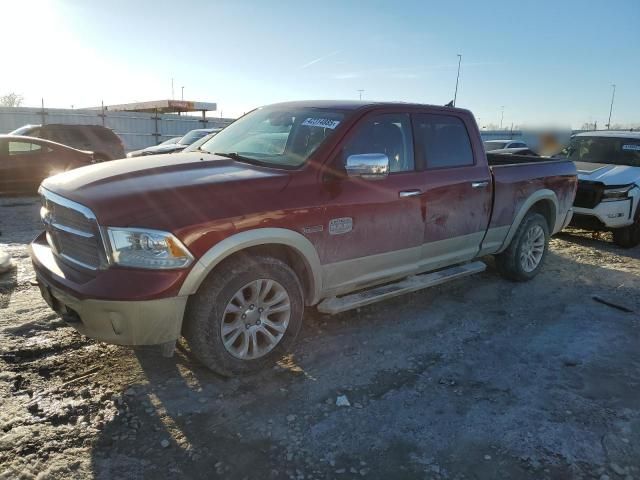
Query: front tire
point(628, 237)
point(523, 258)
point(245, 316)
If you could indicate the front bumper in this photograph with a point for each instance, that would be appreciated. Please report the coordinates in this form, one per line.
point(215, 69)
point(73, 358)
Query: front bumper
point(611, 214)
point(117, 320)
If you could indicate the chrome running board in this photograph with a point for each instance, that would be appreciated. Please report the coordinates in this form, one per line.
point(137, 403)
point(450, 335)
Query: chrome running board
point(410, 284)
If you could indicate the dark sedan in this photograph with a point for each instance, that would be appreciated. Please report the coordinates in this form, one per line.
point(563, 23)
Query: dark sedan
point(26, 161)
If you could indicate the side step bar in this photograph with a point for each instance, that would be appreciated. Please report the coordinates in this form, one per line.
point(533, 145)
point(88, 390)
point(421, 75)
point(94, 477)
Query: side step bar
point(410, 284)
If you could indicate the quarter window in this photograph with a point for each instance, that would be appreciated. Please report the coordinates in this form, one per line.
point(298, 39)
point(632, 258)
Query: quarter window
point(389, 134)
point(21, 148)
point(443, 141)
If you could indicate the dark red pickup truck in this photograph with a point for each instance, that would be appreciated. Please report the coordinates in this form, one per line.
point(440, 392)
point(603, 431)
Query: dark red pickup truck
point(334, 204)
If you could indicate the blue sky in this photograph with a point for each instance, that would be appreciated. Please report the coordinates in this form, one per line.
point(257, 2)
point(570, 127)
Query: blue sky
point(545, 61)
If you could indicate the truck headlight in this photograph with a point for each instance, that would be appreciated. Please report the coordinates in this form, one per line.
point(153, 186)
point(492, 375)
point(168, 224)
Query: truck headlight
point(617, 193)
point(143, 248)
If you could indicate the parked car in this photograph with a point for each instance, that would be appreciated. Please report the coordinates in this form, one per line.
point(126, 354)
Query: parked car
point(102, 141)
point(608, 197)
point(326, 203)
point(490, 145)
point(195, 146)
point(26, 161)
point(174, 147)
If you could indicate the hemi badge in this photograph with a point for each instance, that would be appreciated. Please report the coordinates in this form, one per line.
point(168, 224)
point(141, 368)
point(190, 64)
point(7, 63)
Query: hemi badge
point(313, 229)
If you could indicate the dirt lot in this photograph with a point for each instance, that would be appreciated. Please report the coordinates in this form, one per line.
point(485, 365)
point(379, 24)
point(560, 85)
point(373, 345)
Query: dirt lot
point(480, 378)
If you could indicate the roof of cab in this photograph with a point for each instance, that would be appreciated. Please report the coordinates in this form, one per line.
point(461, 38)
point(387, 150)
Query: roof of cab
point(355, 104)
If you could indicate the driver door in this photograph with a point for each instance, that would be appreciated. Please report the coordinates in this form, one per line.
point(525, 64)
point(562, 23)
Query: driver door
point(375, 227)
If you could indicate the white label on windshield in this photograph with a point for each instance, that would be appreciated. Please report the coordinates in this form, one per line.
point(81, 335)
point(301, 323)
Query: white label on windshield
point(635, 148)
point(321, 122)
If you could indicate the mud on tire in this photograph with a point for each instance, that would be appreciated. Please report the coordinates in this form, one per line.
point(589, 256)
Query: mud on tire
point(512, 263)
point(259, 293)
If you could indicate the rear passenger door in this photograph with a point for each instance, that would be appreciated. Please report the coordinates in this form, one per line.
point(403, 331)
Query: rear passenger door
point(458, 192)
point(24, 165)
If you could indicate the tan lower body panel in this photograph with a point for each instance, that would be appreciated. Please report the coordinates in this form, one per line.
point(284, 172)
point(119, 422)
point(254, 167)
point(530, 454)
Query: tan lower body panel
point(343, 277)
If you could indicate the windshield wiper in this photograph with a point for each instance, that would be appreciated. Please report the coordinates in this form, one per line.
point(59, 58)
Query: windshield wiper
point(235, 156)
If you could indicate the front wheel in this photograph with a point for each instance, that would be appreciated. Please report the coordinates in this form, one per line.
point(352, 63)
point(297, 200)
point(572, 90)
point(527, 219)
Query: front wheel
point(628, 237)
point(524, 256)
point(245, 315)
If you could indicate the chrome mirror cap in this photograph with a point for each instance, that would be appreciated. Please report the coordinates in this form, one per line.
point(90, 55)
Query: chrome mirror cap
point(369, 166)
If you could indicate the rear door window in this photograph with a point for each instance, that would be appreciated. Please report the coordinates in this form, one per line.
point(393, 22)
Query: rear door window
point(23, 148)
point(442, 141)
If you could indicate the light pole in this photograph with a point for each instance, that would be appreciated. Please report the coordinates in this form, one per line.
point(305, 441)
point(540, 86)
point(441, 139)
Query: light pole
point(182, 96)
point(501, 116)
point(360, 93)
point(613, 95)
point(455, 95)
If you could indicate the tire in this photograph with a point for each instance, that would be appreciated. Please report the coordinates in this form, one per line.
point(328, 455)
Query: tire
point(532, 235)
point(238, 292)
point(627, 237)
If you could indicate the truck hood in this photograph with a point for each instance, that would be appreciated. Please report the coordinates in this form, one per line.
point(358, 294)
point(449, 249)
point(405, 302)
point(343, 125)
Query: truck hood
point(165, 191)
point(608, 174)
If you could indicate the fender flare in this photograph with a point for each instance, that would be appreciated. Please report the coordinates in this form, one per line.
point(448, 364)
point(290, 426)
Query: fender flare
point(544, 194)
point(252, 238)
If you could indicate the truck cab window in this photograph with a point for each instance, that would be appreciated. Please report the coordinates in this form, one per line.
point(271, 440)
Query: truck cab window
point(389, 134)
point(443, 141)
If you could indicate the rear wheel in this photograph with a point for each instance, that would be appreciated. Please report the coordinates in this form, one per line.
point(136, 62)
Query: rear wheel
point(524, 256)
point(245, 316)
point(628, 237)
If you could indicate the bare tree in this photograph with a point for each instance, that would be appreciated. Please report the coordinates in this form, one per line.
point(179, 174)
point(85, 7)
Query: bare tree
point(11, 100)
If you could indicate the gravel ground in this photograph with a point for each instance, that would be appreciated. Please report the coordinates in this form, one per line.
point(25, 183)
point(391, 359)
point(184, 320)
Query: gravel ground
point(479, 378)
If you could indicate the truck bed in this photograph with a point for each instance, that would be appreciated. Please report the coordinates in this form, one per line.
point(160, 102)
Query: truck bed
point(517, 177)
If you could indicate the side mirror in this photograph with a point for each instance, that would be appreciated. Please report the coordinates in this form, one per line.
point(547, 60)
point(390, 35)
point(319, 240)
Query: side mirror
point(369, 166)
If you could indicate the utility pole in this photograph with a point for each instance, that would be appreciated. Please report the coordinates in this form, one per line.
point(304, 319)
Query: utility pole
point(455, 95)
point(360, 91)
point(173, 97)
point(613, 95)
point(182, 96)
point(501, 116)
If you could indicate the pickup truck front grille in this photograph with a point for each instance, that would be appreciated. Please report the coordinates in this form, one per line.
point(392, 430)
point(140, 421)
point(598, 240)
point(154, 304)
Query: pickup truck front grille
point(588, 194)
point(72, 232)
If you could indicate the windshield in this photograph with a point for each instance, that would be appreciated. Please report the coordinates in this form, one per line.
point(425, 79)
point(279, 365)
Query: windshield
point(278, 136)
point(609, 150)
point(494, 145)
point(170, 141)
point(192, 136)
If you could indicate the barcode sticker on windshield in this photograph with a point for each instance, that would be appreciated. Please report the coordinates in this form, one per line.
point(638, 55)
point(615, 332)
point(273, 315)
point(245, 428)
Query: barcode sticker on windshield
point(321, 122)
point(635, 148)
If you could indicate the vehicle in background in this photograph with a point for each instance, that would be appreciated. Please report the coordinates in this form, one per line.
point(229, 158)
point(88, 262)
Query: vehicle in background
point(516, 151)
point(102, 141)
point(326, 203)
point(170, 141)
point(175, 147)
point(490, 145)
point(195, 146)
point(608, 196)
point(26, 161)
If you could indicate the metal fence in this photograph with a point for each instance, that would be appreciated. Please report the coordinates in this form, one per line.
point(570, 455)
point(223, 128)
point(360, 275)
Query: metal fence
point(137, 130)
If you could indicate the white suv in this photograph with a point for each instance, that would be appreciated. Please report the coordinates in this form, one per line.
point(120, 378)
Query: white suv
point(608, 193)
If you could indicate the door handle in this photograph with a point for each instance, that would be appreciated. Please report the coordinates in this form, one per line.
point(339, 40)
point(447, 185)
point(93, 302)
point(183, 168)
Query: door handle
point(409, 193)
point(480, 184)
